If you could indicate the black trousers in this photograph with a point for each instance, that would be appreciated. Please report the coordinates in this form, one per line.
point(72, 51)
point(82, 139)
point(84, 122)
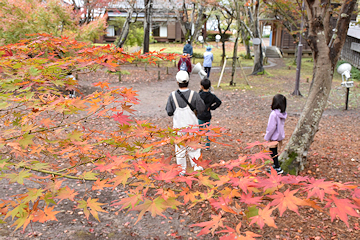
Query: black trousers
point(207, 70)
point(274, 156)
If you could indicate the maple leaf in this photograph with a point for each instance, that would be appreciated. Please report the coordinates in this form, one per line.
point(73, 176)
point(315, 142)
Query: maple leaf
point(102, 84)
point(261, 155)
point(286, 200)
point(155, 207)
point(122, 177)
point(249, 199)
point(342, 208)
point(167, 176)
point(100, 184)
point(130, 201)
point(222, 203)
point(210, 226)
point(75, 135)
point(251, 145)
point(18, 177)
point(248, 236)
point(264, 217)
point(66, 193)
point(244, 183)
point(187, 179)
point(319, 187)
point(26, 140)
point(121, 118)
point(94, 206)
point(33, 194)
point(46, 215)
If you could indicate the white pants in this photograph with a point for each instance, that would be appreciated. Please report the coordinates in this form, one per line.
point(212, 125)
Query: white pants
point(181, 152)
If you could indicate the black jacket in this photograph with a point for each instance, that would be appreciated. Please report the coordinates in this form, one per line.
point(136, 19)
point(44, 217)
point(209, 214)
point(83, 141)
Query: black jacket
point(211, 103)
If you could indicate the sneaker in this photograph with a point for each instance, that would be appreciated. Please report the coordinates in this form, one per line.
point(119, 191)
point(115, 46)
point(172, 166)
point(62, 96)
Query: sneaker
point(198, 168)
point(182, 173)
point(279, 170)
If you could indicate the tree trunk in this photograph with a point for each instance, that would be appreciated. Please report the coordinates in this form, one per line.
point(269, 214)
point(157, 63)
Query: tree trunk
point(238, 25)
point(326, 49)
point(245, 41)
point(198, 23)
point(125, 29)
point(147, 26)
point(234, 59)
point(258, 52)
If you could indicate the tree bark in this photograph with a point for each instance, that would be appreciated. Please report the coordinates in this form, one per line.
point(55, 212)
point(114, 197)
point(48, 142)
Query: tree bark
point(125, 29)
point(258, 51)
point(326, 49)
point(147, 26)
point(238, 26)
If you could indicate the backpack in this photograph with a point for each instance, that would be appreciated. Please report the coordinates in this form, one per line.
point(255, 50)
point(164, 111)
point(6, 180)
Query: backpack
point(183, 65)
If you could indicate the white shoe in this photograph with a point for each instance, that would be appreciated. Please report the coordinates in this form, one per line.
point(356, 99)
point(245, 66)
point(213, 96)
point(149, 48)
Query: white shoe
point(198, 168)
point(182, 173)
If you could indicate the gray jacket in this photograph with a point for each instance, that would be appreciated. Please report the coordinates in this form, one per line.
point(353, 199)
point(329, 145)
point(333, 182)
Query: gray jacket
point(196, 101)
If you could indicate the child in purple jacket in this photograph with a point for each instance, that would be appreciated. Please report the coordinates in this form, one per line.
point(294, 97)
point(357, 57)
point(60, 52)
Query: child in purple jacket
point(275, 128)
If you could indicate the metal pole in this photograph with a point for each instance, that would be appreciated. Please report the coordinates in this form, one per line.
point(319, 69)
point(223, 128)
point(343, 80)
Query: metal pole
point(347, 98)
point(299, 56)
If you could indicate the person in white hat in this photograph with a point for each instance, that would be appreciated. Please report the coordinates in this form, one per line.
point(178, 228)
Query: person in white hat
point(183, 116)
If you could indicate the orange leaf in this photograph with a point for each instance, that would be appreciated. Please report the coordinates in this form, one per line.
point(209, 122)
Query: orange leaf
point(287, 200)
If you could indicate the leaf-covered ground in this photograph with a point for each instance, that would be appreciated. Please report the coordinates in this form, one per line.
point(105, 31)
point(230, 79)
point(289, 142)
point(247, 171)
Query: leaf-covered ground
point(334, 155)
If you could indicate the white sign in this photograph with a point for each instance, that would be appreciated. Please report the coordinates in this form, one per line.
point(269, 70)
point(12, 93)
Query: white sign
point(200, 38)
point(256, 41)
point(218, 37)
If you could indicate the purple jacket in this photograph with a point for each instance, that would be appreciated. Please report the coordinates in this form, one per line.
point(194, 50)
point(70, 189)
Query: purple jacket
point(275, 129)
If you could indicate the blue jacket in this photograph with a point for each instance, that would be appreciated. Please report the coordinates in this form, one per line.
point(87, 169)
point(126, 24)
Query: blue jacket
point(188, 49)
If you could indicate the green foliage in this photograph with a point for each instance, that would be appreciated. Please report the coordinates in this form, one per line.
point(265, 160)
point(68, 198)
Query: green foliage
point(136, 32)
point(211, 35)
point(355, 72)
point(22, 17)
point(198, 55)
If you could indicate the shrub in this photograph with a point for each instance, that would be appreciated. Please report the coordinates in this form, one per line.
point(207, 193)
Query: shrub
point(211, 35)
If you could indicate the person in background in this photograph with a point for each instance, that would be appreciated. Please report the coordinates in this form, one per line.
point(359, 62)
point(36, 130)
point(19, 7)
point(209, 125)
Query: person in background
point(184, 116)
point(71, 92)
point(188, 48)
point(211, 103)
point(184, 63)
point(275, 128)
point(208, 59)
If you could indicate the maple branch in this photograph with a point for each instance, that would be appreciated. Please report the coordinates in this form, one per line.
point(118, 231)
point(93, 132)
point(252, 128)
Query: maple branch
point(77, 165)
point(58, 174)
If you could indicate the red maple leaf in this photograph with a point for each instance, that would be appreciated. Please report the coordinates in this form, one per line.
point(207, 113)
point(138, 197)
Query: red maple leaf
point(167, 176)
point(121, 118)
point(210, 226)
point(250, 199)
point(319, 187)
point(342, 209)
point(222, 203)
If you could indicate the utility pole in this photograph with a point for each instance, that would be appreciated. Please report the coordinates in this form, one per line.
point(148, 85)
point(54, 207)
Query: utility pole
point(299, 56)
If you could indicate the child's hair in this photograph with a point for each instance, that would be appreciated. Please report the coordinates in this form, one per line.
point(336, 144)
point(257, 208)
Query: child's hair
point(183, 84)
point(205, 83)
point(279, 102)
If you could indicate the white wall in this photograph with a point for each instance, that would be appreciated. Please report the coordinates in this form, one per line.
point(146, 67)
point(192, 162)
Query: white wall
point(163, 31)
point(110, 31)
